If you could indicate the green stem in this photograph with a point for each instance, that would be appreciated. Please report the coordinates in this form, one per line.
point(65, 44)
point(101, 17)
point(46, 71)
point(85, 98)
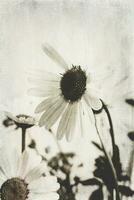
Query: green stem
point(110, 162)
point(23, 139)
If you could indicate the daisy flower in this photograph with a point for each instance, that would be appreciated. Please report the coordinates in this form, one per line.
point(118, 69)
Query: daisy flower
point(22, 121)
point(21, 177)
point(65, 95)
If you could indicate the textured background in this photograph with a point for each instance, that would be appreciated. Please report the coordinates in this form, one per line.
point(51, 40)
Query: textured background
point(92, 33)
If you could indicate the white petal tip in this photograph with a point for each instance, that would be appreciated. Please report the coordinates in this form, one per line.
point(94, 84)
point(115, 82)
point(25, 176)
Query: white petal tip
point(59, 136)
point(41, 124)
point(68, 137)
point(37, 110)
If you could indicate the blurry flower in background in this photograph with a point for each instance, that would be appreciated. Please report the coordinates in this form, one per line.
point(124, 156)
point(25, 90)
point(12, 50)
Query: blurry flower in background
point(21, 121)
point(21, 177)
point(65, 95)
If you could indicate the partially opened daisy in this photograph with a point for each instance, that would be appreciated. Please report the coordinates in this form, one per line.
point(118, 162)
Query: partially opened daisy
point(22, 121)
point(21, 177)
point(64, 95)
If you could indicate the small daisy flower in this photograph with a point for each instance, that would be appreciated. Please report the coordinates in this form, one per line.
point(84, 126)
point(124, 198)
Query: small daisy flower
point(21, 177)
point(65, 95)
point(24, 122)
point(21, 121)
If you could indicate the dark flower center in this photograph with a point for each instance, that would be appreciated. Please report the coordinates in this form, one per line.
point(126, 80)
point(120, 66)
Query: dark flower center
point(14, 189)
point(73, 84)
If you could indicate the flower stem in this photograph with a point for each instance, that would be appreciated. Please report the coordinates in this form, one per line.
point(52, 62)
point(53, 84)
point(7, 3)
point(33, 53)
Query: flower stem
point(111, 126)
point(110, 164)
point(23, 138)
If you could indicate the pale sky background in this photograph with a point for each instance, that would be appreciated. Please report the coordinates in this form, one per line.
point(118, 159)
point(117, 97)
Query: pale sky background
point(97, 34)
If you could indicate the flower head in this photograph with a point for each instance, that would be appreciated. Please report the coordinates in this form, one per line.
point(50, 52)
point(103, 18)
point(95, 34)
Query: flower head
point(65, 96)
point(21, 178)
point(21, 121)
point(73, 84)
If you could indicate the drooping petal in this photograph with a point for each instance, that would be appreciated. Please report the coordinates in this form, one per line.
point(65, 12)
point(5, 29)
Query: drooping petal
point(81, 117)
point(55, 116)
point(89, 110)
point(28, 160)
point(71, 122)
point(35, 173)
point(44, 120)
point(93, 101)
point(44, 104)
point(55, 56)
point(63, 122)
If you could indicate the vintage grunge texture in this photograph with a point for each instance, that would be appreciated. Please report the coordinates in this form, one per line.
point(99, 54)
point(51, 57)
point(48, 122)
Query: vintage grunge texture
point(92, 33)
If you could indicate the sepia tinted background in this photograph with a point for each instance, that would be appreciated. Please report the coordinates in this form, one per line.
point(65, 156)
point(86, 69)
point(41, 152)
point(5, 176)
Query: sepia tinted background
point(92, 33)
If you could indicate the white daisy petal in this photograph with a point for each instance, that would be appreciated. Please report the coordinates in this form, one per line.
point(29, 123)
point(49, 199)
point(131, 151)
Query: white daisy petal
point(43, 92)
point(63, 122)
point(14, 161)
point(44, 120)
point(1, 182)
point(92, 91)
point(9, 115)
point(93, 101)
point(28, 161)
point(88, 78)
point(49, 196)
point(8, 163)
point(35, 173)
point(44, 185)
point(45, 104)
point(43, 75)
point(90, 115)
point(55, 56)
point(2, 176)
point(89, 110)
point(51, 121)
point(43, 83)
point(71, 122)
point(81, 117)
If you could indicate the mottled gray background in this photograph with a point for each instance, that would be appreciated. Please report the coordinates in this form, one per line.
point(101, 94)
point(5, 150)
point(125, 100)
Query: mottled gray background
point(98, 34)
